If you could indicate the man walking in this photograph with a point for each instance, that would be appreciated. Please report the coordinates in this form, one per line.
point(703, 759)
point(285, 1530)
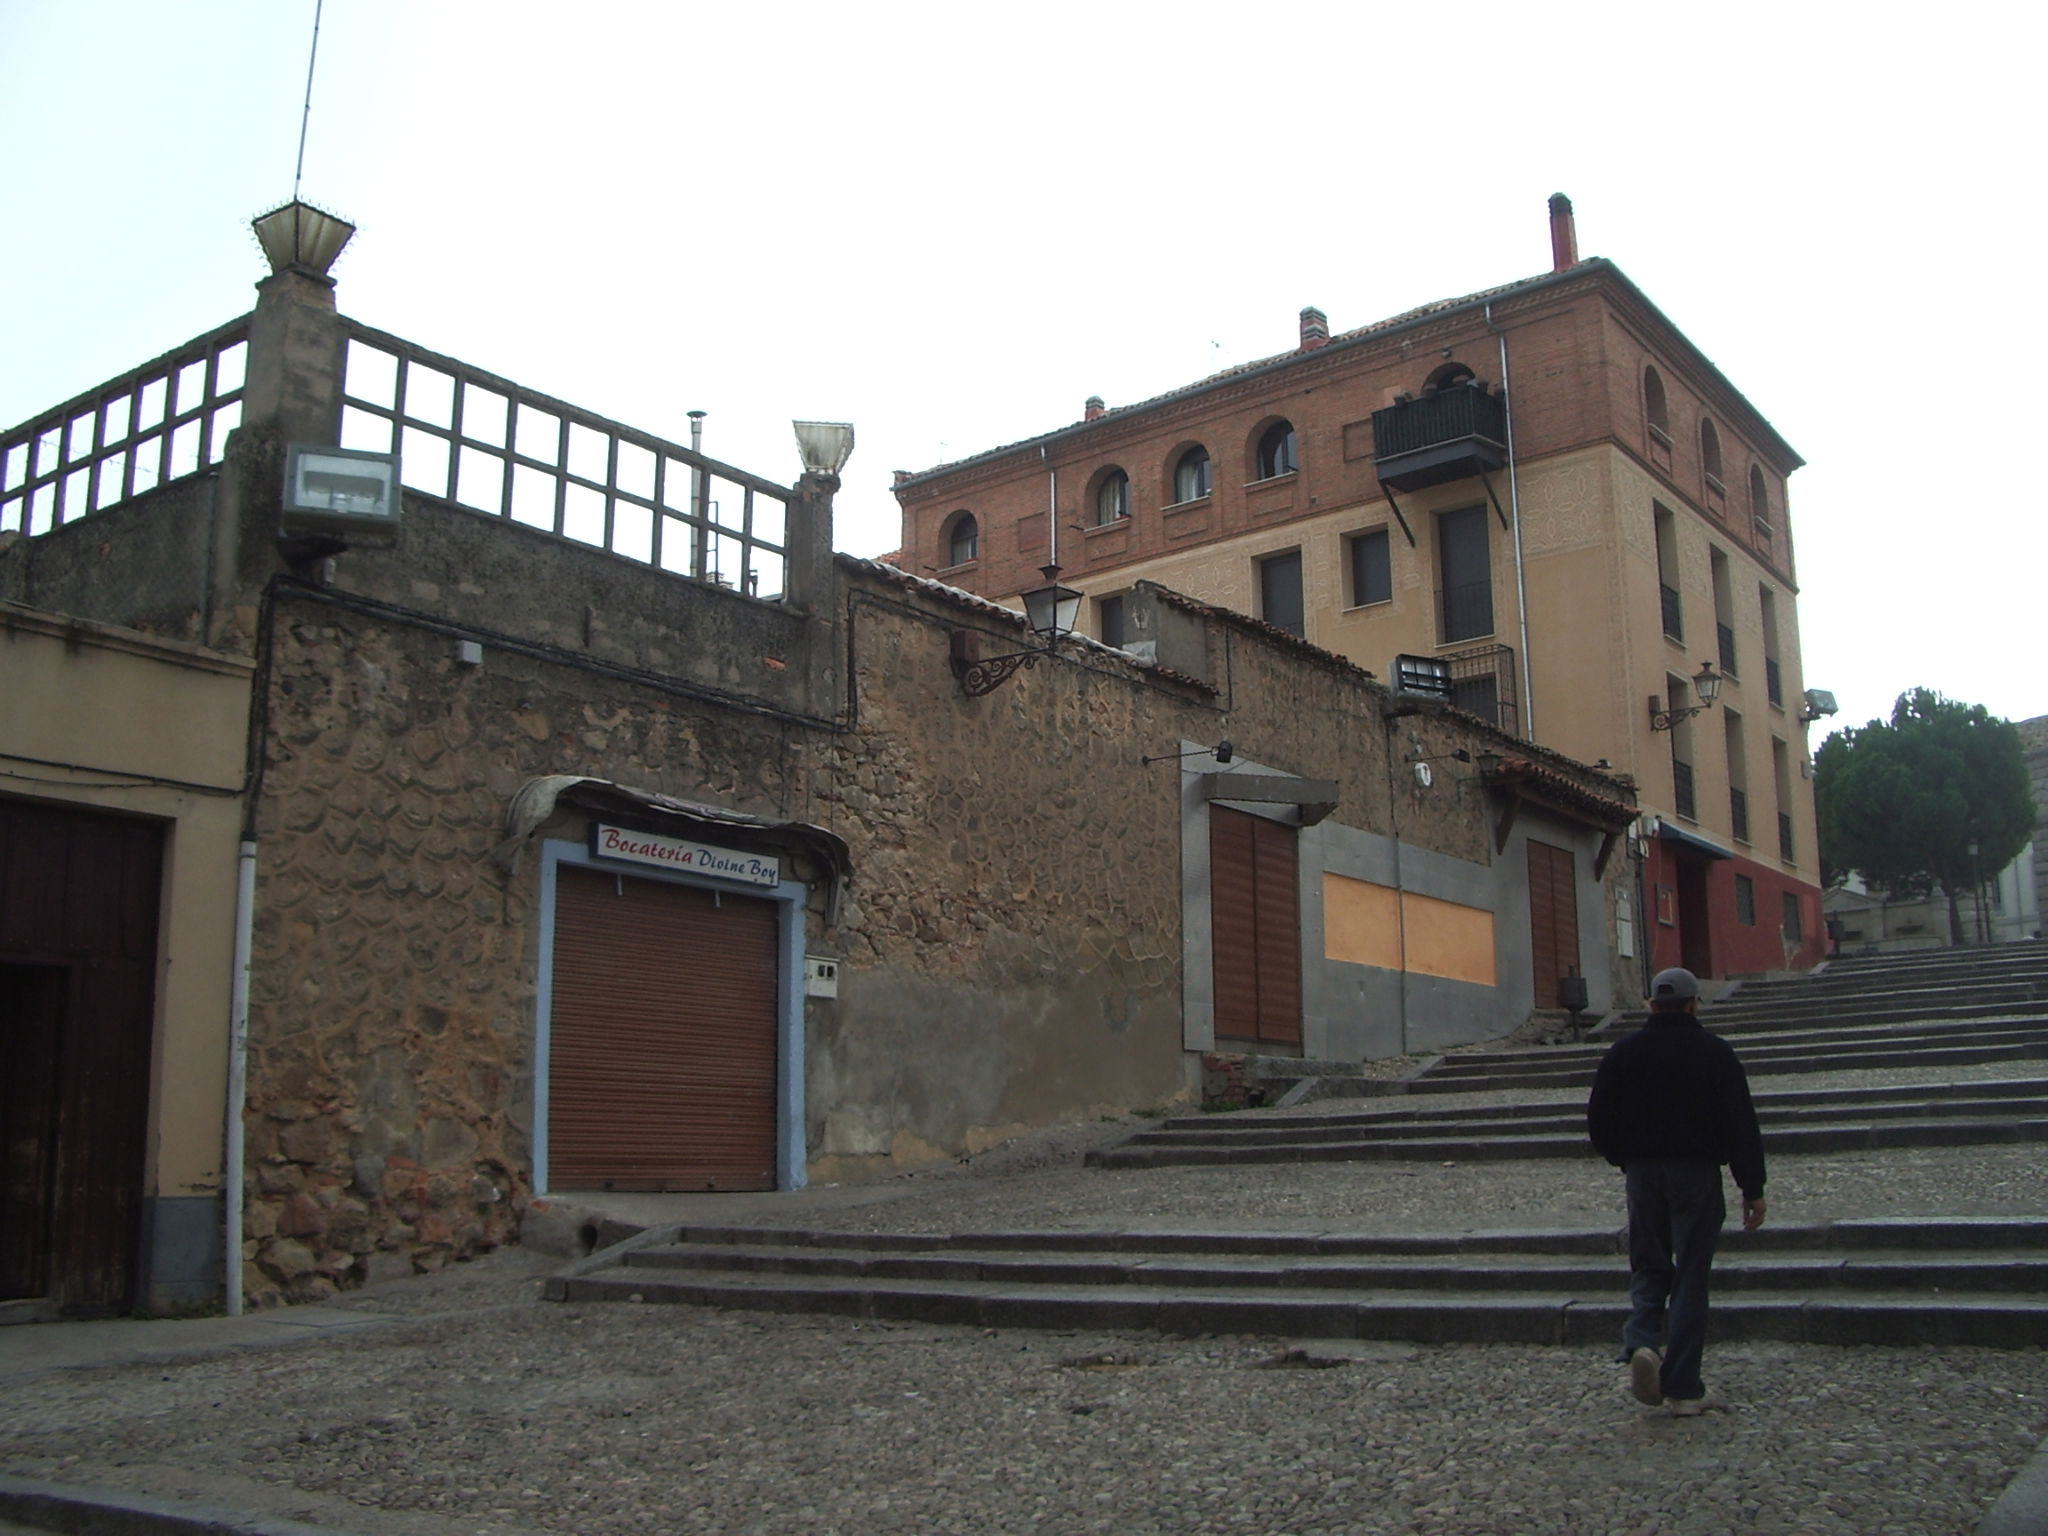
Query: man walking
point(1670, 1105)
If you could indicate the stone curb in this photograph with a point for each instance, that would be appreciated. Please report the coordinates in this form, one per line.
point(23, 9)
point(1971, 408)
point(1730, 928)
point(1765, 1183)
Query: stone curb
point(110, 1512)
point(2022, 1510)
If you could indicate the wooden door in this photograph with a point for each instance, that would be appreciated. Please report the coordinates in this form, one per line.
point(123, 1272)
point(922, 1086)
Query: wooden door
point(1255, 926)
point(662, 1056)
point(1553, 919)
point(79, 898)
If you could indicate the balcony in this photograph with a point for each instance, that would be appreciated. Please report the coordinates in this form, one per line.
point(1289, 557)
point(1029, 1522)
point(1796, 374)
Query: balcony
point(1453, 434)
point(1784, 837)
point(1682, 789)
point(1483, 684)
point(1726, 638)
point(1738, 814)
point(1774, 684)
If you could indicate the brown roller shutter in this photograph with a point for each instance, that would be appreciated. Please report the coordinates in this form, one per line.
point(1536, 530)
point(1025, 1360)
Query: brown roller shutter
point(1255, 927)
point(1553, 919)
point(662, 1053)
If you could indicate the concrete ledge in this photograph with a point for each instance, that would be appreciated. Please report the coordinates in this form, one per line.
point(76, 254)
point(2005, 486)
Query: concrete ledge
point(108, 1512)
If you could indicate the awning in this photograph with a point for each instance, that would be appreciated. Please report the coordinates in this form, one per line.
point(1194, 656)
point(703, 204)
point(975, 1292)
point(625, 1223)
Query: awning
point(537, 799)
point(1692, 842)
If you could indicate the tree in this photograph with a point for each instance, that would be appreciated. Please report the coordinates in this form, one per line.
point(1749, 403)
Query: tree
point(1940, 795)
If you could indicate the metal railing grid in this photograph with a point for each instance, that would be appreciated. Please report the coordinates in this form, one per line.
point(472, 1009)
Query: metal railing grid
point(482, 442)
point(159, 423)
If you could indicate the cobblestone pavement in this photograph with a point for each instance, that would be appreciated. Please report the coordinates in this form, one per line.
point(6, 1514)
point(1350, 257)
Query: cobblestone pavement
point(476, 1408)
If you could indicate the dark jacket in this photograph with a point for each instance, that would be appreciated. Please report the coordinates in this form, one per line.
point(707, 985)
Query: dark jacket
point(1673, 1090)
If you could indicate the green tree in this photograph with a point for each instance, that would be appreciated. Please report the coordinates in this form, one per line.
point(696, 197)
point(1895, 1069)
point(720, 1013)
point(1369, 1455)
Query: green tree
point(1939, 795)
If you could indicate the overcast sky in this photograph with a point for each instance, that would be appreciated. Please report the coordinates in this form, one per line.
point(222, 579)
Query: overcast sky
point(950, 224)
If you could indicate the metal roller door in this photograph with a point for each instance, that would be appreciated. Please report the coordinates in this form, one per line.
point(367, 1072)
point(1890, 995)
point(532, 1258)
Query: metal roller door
point(662, 1051)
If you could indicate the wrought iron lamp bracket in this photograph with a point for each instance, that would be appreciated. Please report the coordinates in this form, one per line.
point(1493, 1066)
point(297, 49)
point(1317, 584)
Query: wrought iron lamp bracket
point(985, 676)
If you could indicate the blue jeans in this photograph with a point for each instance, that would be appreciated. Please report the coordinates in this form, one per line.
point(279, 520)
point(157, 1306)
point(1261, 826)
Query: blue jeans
point(1675, 1211)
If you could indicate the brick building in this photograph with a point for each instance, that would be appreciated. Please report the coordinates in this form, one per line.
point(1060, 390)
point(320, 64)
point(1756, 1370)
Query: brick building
point(420, 797)
point(1544, 489)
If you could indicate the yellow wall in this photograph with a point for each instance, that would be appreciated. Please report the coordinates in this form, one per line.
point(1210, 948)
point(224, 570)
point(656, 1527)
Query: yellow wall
point(1364, 923)
point(122, 707)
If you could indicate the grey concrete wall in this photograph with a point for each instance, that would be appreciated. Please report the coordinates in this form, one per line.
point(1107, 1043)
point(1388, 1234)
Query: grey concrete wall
point(142, 564)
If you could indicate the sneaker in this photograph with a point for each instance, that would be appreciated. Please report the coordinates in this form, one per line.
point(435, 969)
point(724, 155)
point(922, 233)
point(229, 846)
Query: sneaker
point(1645, 1376)
point(1689, 1407)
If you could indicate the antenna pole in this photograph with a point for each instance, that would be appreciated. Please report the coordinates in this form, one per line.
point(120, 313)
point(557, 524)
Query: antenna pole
point(305, 117)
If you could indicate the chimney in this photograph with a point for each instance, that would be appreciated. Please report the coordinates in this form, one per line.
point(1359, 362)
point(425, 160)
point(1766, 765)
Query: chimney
point(901, 476)
point(1093, 409)
point(1315, 329)
point(1564, 235)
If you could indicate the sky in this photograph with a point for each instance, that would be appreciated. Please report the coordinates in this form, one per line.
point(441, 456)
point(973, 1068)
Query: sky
point(950, 224)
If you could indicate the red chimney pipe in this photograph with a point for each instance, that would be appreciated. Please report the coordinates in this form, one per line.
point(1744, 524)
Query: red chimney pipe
point(1564, 235)
point(1315, 329)
point(1093, 409)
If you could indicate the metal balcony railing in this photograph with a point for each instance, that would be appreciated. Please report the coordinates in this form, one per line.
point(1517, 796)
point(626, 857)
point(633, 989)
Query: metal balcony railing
point(1724, 635)
point(1682, 789)
point(1738, 814)
point(1483, 684)
point(1784, 837)
point(1774, 685)
point(1674, 615)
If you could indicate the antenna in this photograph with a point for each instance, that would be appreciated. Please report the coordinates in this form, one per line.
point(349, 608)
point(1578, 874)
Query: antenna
point(305, 117)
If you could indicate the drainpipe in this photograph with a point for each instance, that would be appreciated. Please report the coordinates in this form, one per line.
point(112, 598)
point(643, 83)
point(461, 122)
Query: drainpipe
point(1052, 508)
point(700, 504)
point(1515, 517)
point(238, 1072)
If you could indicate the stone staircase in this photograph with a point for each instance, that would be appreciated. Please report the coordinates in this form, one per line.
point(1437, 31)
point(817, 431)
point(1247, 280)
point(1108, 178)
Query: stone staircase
point(1922, 1280)
point(1884, 1281)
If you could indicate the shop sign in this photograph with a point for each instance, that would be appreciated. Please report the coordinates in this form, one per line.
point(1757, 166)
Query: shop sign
point(673, 853)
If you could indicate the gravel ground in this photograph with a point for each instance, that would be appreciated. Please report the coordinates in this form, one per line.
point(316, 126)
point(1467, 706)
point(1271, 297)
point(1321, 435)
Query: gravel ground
point(479, 1409)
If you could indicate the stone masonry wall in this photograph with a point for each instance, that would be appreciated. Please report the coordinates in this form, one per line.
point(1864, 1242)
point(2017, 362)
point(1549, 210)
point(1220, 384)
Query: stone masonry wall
point(390, 1090)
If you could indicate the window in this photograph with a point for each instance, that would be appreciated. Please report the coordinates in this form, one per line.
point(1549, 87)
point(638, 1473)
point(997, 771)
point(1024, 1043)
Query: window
point(1710, 455)
point(1774, 678)
point(1667, 573)
point(1109, 618)
point(1745, 901)
point(1759, 503)
point(1112, 498)
point(1191, 475)
point(1465, 562)
point(1738, 775)
point(1372, 567)
point(1781, 778)
point(1677, 697)
point(1655, 409)
point(1724, 612)
point(1280, 592)
point(1795, 927)
point(963, 539)
point(1276, 451)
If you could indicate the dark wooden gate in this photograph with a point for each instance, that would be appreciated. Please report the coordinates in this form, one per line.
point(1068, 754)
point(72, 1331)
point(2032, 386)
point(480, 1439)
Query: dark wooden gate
point(1553, 919)
point(79, 896)
point(663, 1029)
point(1255, 927)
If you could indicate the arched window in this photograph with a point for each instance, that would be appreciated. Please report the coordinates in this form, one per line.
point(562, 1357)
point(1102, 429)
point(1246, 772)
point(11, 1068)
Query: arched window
point(1710, 453)
point(1655, 408)
point(1276, 451)
point(963, 539)
point(1191, 475)
point(1112, 498)
point(1759, 501)
point(1445, 375)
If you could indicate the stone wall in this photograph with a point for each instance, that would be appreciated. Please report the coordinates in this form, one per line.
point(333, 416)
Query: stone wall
point(390, 1099)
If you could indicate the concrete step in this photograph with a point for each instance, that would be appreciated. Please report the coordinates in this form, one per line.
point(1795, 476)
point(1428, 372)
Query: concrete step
point(1536, 1073)
point(1951, 1281)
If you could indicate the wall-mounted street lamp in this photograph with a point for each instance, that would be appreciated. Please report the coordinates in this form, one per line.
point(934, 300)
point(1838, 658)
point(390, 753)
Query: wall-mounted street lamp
point(824, 446)
point(1050, 610)
point(1223, 751)
point(1706, 683)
